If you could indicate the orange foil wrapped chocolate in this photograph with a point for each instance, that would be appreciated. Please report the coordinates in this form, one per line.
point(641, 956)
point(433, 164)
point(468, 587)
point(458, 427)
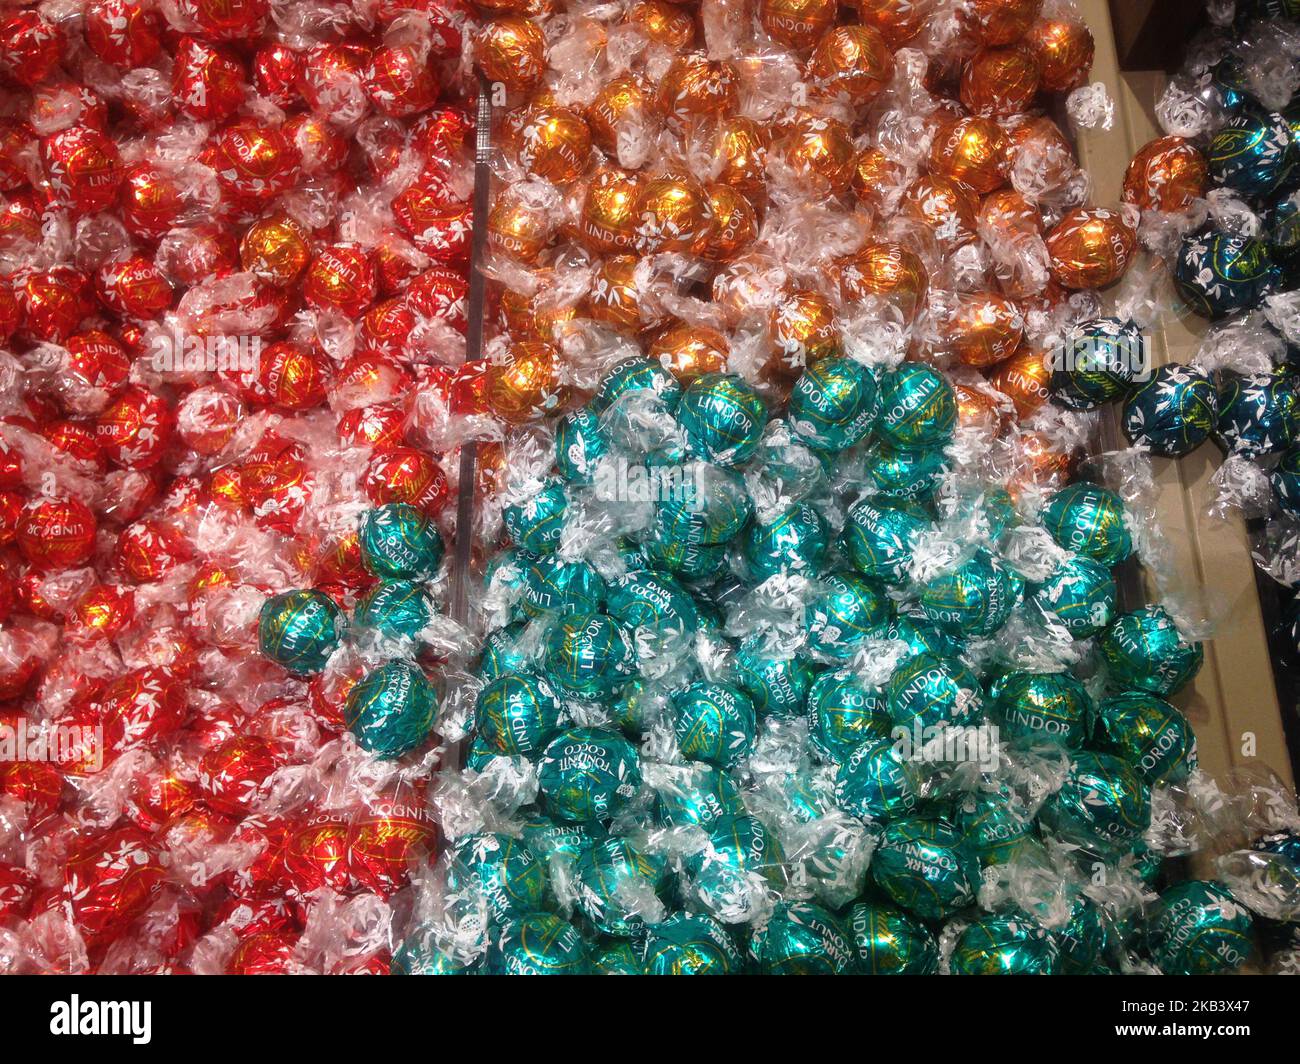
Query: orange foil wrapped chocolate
point(555, 144)
point(985, 329)
point(609, 210)
point(698, 87)
point(518, 228)
point(801, 327)
point(615, 296)
point(818, 147)
point(735, 224)
point(1000, 81)
point(898, 21)
point(275, 250)
point(673, 214)
point(886, 270)
point(946, 206)
point(619, 104)
point(852, 61)
point(525, 384)
point(797, 23)
point(741, 146)
point(1090, 247)
point(999, 22)
point(1024, 378)
point(972, 151)
point(690, 351)
point(511, 51)
point(1166, 174)
point(874, 173)
point(1064, 49)
point(664, 23)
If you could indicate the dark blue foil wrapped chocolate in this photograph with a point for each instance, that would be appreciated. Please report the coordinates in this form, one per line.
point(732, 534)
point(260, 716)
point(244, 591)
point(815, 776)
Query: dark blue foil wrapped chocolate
point(1220, 273)
point(1252, 154)
point(1173, 412)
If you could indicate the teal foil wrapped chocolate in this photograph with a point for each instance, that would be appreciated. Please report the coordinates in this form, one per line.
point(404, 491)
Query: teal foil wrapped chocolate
point(1052, 708)
point(925, 867)
point(879, 537)
point(928, 690)
point(849, 610)
point(1089, 520)
point(589, 655)
point(539, 944)
point(918, 407)
point(876, 781)
point(802, 938)
point(793, 542)
point(518, 713)
point(1004, 944)
point(1219, 273)
point(715, 722)
point(397, 540)
point(1148, 733)
point(299, 630)
point(843, 714)
point(1144, 650)
point(501, 870)
point(395, 608)
point(691, 944)
point(975, 598)
point(833, 404)
point(534, 524)
point(1199, 928)
point(889, 941)
point(1103, 805)
point(723, 418)
point(777, 682)
point(586, 775)
point(553, 584)
point(1081, 596)
point(390, 710)
point(580, 443)
point(617, 884)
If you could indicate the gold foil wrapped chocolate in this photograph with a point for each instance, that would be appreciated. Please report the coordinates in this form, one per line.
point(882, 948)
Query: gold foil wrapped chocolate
point(1000, 81)
point(1064, 49)
point(698, 87)
point(619, 102)
point(664, 23)
point(1166, 174)
point(275, 250)
point(735, 224)
point(1024, 378)
point(673, 214)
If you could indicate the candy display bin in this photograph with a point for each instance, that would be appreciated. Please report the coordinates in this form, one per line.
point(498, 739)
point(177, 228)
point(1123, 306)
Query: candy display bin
point(1234, 703)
